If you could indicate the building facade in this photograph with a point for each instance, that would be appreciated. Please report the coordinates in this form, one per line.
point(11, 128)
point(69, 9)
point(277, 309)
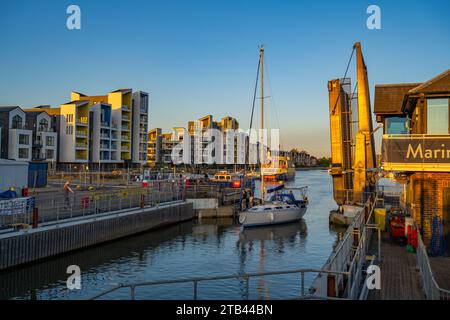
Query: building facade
point(16, 139)
point(416, 147)
point(45, 136)
point(140, 127)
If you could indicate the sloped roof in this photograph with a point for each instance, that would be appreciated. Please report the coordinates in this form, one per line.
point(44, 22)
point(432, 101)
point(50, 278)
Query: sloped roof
point(389, 97)
point(441, 83)
point(78, 102)
point(8, 108)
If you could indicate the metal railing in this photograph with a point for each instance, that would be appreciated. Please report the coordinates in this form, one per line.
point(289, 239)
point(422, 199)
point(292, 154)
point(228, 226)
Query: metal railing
point(429, 284)
point(350, 254)
point(245, 277)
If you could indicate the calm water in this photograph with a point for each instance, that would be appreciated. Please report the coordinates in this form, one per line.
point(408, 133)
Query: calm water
point(193, 249)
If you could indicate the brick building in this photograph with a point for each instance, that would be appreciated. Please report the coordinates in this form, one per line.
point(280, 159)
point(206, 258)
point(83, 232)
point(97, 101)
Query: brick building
point(416, 147)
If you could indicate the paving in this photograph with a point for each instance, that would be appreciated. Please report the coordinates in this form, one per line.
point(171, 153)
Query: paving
point(441, 271)
point(400, 277)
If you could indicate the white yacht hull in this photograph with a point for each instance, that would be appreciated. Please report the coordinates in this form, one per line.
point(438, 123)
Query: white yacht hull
point(270, 217)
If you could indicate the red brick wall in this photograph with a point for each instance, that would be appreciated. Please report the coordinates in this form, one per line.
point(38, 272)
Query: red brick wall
point(426, 198)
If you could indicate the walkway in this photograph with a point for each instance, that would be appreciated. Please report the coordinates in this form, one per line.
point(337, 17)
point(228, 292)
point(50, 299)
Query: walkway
point(400, 278)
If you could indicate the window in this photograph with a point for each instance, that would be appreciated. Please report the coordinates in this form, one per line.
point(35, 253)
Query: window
point(17, 122)
point(396, 125)
point(49, 154)
point(437, 116)
point(23, 153)
point(49, 141)
point(23, 139)
point(43, 125)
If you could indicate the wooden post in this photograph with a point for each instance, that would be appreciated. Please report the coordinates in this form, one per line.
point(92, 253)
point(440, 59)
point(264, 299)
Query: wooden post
point(142, 201)
point(35, 218)
point(331, 285)
point(355, 237)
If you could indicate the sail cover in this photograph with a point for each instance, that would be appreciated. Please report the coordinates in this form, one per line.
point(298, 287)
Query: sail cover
point(277, 188)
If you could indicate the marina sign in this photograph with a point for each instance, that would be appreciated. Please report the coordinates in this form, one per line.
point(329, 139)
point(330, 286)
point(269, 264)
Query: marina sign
point(423, 150)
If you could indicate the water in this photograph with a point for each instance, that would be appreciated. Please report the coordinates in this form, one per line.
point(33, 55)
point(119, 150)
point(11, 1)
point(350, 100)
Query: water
point(193, 249)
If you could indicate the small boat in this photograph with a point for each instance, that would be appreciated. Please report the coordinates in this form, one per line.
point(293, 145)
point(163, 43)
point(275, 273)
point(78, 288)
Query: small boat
point(285, 170)
point(282, 208)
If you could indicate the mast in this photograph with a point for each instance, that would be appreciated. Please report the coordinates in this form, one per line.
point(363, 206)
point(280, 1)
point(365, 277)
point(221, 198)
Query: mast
point(261, 146)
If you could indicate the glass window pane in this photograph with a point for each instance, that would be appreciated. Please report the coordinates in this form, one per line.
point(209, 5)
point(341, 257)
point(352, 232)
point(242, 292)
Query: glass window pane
point(396, 125)
point(437, 116)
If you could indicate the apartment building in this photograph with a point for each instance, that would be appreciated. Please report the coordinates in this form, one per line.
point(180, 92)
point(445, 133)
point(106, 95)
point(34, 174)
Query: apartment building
point(103, 136)
point(45, 136)
point(16, 139)
point(74, 132)
point(140, 127)
point(154, 147)
point(160, 145)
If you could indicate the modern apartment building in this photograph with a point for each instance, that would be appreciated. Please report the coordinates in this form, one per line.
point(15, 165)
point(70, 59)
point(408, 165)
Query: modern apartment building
point(154, 147)
point(118, 125)
point(45, 136)
point(161, 145)
point(140, 127)
point(74, 132)
point(16, 139)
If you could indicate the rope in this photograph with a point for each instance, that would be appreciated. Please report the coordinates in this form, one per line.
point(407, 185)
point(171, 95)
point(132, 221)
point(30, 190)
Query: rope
point(345, 75)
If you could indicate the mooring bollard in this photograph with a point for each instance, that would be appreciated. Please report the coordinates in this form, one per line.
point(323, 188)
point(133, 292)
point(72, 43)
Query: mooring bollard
point(35, 218)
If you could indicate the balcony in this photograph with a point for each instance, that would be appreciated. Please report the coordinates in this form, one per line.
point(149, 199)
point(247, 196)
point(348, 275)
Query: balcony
point(125, 118)
point(125, 138)
point(80, 134)
point(416, 153)
point(105, 124)
point(80, 145)
point(82, 121)
point(125, 128)
point(125, 108)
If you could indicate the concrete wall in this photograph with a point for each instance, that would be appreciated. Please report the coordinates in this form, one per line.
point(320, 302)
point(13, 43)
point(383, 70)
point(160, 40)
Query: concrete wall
point(204, 203)
point(47, 241)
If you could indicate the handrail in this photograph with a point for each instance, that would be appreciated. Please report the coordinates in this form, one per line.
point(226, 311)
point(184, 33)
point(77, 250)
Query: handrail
point(429, 283)
point(196, 280)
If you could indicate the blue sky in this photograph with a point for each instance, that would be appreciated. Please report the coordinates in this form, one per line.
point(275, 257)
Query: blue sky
point(200, 57)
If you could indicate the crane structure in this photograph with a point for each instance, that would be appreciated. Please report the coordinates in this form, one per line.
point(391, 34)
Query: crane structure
point(353, 159)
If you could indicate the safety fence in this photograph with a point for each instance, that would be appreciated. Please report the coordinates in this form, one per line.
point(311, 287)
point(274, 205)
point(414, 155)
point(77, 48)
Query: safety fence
point(429, 284)
point(55, 206)
point(16, 212)
point(243, 278)
point(350, 255)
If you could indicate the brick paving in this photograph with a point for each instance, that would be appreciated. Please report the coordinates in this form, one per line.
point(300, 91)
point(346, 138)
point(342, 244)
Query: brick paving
point(400, 278)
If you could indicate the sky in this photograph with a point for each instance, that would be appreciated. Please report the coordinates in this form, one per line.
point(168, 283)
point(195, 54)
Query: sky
point(200, 57)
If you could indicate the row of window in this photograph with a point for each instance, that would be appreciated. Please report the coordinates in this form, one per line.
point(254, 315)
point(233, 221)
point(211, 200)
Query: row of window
point(437, 117)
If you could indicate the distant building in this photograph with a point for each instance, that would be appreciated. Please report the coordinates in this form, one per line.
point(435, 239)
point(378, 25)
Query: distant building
point(16, 139)
point(160, 145)
point(45, 136)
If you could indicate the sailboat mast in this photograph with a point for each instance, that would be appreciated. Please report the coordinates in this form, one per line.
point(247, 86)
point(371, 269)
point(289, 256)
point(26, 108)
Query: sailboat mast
point(261, 146)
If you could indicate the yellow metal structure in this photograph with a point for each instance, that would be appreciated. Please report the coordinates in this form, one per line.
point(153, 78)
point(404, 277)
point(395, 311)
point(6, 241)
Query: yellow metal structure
point(365, 146)
point(352, 157)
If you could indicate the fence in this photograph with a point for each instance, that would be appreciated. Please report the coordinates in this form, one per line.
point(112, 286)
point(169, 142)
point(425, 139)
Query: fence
point(429, 284)
point(16, 211)
point(55, 206)
point(245, 277)
point(349, 256)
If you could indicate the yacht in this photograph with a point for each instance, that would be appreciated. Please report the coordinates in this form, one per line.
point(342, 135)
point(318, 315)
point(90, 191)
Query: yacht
point(281, 208)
